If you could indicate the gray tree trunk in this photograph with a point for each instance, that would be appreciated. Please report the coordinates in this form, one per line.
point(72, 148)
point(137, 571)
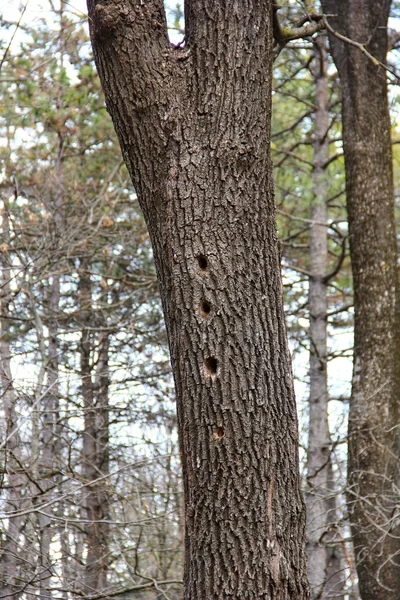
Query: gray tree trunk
point(95, 459)
point(194, 127)
point(102, 382)
point(9, 551)
point(324, 570)
point(373, 418)
point(51, 435)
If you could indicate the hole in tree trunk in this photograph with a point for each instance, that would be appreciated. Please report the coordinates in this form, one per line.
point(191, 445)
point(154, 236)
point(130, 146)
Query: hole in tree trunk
point(211, 365)
point(219, 433)
point(205, 309)
point(203, 264)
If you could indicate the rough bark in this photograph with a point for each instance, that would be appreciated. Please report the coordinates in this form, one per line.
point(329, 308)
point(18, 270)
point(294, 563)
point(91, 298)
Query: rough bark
point(370, 202)
point(323, 564)
point(193, 124)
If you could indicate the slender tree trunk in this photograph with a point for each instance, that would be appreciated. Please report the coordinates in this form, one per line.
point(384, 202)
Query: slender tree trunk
point(194, 126)
point(51, 436)
point(9, 545)
point(335, 571)
point(89, 471)
point(318, 451)
point(64, 537)
point(323, 580)
point(51, 449)
point(373, 419)
point(95, 440)
point(102, 382)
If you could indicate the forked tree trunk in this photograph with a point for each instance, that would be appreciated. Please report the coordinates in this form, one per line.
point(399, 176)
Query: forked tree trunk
point(194, 127)
point(373, 421)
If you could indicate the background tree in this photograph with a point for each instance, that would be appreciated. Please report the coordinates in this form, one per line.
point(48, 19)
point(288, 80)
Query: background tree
point(83, 500)
point(311, 216)
point(324, 565)
point(373, 420)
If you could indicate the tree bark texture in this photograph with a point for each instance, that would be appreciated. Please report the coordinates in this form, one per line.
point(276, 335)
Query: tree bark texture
point(370, 202)
point(194, 127)
point(324, 574)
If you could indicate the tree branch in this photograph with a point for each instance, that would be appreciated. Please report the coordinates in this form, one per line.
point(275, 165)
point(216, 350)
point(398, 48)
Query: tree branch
point(306, 30)
point(361, 47)
point(339, 263)
point(308, 26)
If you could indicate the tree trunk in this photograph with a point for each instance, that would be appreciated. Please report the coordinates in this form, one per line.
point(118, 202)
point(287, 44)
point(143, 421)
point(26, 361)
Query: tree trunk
point(319, 443)
point(335, 571)
point(51, 436)
point(102, 382)
point(194, 127)
point(9, 568)
point(318, 450)
point(95, 460)
point(89, 471)
point(370, 201)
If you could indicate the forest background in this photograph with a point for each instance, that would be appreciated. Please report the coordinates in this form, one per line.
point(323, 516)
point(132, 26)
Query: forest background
point(91, 492)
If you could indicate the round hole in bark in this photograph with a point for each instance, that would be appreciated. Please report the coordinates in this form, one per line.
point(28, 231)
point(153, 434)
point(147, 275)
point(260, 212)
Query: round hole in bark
point(219, 433)
point(211, 365)
point(205, 308)
point(203, 264)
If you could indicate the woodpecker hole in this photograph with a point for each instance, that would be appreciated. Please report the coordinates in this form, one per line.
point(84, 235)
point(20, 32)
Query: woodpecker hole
point(203, 264)
point(205, 309)
point(219, 433)
point(211, 365)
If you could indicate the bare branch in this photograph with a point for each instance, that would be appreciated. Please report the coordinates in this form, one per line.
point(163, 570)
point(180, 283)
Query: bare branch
point(307, 27)
point(360, 46)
